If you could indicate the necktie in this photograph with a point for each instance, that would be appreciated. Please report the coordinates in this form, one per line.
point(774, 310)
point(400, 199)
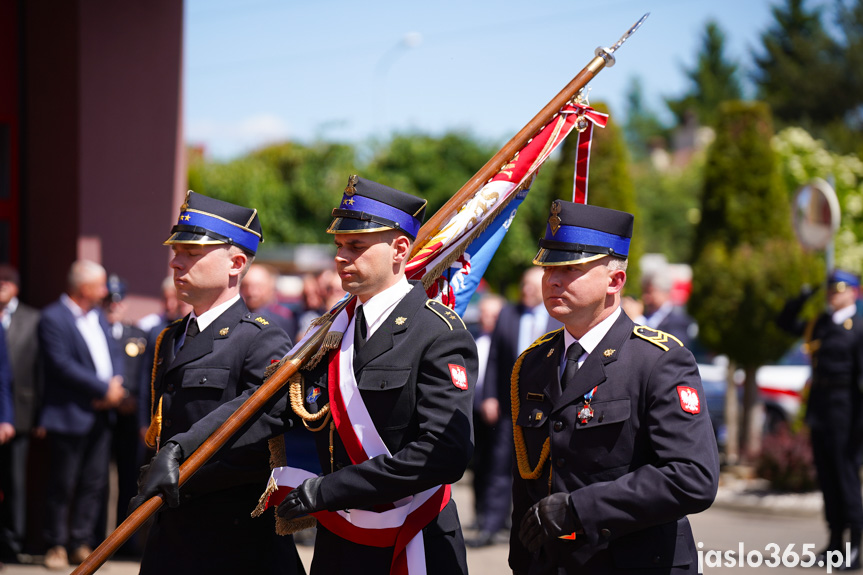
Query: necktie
point(192, 329)
point(360, 329)
point(573, 352)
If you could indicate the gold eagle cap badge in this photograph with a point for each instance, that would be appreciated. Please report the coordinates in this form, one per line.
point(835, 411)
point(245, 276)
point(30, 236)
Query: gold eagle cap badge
point(350, 189)
point(185, 205)
point(554, 219)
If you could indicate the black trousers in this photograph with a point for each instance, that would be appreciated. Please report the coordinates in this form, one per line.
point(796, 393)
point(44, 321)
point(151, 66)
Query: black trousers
point(13, 484)
point(836, 441)
point(498, 493)
point(77, 482)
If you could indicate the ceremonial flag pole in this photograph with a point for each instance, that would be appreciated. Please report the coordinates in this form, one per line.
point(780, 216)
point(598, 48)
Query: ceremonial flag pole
point(426, 260)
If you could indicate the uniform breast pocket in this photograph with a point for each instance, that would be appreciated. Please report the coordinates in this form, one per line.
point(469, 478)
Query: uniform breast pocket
point(388, 396)
point(603, 442)
point(207, 379)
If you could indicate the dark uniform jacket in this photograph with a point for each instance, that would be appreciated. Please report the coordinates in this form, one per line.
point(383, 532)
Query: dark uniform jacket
point(212, 531)
point(645, 460)
point(424, 419)
point(837, 364)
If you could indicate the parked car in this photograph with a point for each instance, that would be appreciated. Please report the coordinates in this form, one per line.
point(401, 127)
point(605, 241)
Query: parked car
point(780, 386)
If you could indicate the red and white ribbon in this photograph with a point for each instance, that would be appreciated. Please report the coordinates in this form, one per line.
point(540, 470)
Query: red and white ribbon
point(400, 525)
point(587, 117)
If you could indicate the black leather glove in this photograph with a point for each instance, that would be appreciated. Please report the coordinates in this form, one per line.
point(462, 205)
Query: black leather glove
point(552, 517)
point(303, 500)
point(162, 475)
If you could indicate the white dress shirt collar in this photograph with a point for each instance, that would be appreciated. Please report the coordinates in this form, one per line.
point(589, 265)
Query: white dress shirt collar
point(840, 315)
point(209, 316)
point(379, 306)
point(592, 338)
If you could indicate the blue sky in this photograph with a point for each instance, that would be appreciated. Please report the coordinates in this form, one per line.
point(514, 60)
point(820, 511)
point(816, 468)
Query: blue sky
point(265, 70)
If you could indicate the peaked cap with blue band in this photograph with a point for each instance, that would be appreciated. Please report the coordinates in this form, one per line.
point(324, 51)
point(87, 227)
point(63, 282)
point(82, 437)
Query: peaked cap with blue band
point(368, 206)
point(205, 221)
point(842, 279)
point(578, 233)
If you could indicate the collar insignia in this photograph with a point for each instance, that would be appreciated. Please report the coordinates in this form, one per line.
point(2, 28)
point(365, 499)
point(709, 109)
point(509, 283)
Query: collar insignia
point(401, 320)
point(609, 352)
point(224, 331)
point(554, 220)
point(550, 352)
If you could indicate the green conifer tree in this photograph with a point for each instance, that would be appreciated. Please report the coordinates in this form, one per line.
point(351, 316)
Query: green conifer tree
point(746, 260)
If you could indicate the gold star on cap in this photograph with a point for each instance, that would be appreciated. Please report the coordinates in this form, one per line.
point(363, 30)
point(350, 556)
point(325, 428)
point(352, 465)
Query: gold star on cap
point(554, 220)
point(350, 190)
point(348, 202)
point(401, 320)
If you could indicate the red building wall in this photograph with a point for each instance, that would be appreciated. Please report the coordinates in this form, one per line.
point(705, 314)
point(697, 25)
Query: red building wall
point(101, 149)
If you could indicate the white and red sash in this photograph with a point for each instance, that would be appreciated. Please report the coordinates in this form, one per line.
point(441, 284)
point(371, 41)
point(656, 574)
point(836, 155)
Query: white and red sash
point(399, 526)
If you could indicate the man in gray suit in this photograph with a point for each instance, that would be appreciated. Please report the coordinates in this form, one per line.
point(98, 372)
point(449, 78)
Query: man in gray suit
point(20, 323)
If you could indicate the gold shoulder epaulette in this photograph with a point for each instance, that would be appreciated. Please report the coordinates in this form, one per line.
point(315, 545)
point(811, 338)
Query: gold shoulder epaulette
point(542, 339)
point(656, 337)
point(452, 319)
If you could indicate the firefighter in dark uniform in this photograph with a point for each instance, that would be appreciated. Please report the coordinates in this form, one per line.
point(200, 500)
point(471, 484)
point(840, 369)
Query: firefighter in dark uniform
point(833, 413)
point(414, 366)
point(613, 443)
point(204, 360)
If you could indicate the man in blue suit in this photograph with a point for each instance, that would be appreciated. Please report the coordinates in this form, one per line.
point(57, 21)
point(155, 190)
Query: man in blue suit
point(83, 364)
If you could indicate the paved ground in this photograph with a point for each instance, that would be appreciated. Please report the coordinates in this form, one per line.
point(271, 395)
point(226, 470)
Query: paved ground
point(744, 513)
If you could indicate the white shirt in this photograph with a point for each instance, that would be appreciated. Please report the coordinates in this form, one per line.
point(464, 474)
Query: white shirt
point(591, 339)
point(91, 330)
point(840, 315)
point(6, 314)
point(659, 315)
point(379, 306)
point(208, 317)
point(531, 325)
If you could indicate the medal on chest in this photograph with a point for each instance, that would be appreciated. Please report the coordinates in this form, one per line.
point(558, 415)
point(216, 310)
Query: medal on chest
point(586, 412)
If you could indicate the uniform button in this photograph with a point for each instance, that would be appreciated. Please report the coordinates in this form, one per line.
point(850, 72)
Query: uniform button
point(203, 380)
point(601, 417)
point(606, 533)
point(561, 462)
point(383, 384)
point(656, 560)
point(170, 387)
point(167, 423)
point(339, 465)
point(187, 495)
point(558, 426)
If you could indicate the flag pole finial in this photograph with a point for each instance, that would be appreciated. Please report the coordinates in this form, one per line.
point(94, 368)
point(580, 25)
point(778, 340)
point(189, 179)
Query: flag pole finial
point(607, 54)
